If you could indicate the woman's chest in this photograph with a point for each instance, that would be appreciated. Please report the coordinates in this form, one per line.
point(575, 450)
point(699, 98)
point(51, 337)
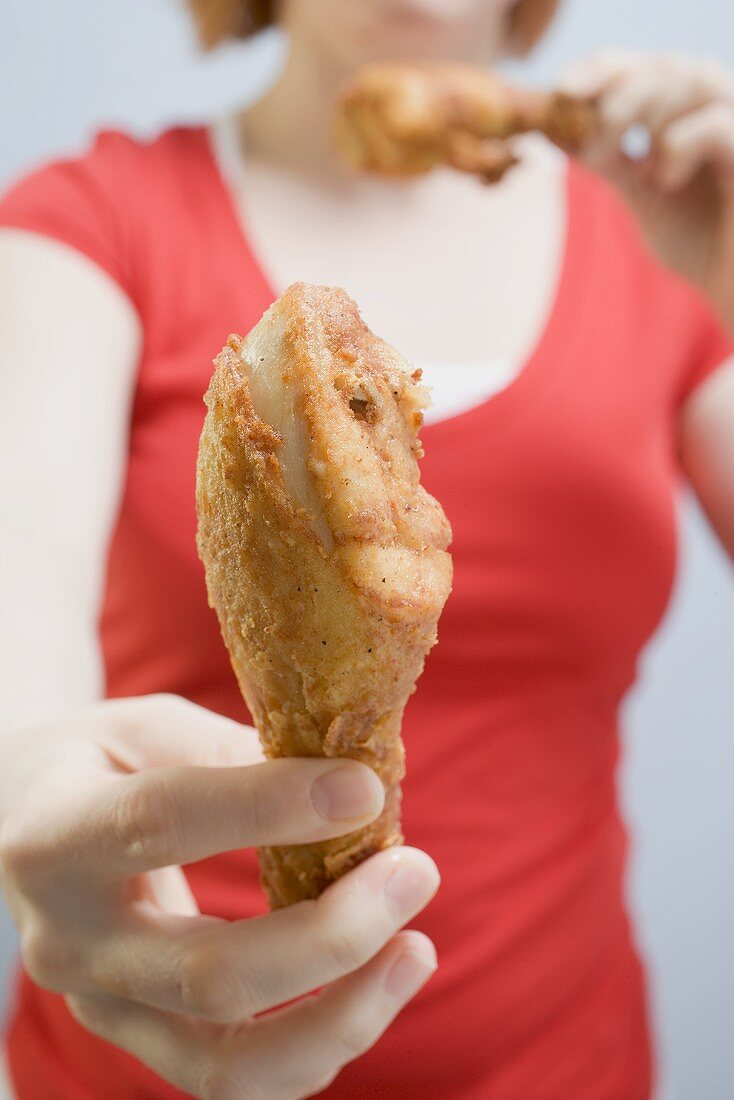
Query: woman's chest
point(559, 491)
point(563, 515)
point(443, 268)
point(559, 487)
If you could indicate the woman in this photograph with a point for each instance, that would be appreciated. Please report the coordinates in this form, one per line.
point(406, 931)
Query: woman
point(124, 270)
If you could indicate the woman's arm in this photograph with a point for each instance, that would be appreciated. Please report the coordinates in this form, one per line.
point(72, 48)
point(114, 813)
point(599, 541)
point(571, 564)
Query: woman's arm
point(682, 190)
point(69, 340)
point(707, 449)
point(100, 805)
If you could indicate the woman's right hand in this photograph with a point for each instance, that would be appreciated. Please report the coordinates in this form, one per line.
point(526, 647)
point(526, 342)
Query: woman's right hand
point(100, 811)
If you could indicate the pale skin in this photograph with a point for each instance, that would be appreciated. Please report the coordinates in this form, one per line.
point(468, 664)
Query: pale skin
point(101, 802)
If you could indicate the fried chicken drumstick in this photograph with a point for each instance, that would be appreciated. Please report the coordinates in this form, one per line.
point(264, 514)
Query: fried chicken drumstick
point(325, 559)
point(403, 120)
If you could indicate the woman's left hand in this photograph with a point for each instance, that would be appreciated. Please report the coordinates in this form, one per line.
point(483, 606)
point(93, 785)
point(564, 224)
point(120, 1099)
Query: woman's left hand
point(682, 189)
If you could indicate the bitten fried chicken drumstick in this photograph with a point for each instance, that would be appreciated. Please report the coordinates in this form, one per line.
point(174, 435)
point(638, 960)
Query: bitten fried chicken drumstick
point(325, 559)
point(406, 119)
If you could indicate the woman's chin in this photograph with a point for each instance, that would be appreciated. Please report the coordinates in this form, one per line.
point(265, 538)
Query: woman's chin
point(418, 39)
point(386, 30)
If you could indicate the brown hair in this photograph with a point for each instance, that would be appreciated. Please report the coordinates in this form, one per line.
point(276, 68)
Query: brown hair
point(217, 20)
point(529, 20)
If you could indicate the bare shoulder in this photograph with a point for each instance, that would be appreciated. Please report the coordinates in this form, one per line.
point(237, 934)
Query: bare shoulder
point(40, 264)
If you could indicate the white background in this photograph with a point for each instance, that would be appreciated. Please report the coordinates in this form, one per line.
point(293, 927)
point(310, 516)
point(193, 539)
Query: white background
point(69, 66)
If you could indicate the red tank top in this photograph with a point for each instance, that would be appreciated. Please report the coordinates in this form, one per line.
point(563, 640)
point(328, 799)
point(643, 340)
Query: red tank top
point(561, 495)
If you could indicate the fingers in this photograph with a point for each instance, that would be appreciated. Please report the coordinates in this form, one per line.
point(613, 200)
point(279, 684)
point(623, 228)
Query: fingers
point(590, 76)
point(299, 1051)
point(286, 1056)
point(694, 141)
point(228, 972)
point(161, 817)
point(656, 93)
point(640, 99)
point(178, 1050)
point(169, 816)
point(593, 76)
point(84, 796)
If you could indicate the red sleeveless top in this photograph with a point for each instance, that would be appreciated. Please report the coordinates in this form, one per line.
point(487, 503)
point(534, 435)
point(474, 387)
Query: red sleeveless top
point(560, 491)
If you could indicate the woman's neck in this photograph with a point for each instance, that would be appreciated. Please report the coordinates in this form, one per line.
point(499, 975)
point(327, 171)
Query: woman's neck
point(291, 124)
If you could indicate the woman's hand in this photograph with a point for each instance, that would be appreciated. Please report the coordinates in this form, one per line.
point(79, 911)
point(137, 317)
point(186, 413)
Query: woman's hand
point(683, 189)
point(98, 815)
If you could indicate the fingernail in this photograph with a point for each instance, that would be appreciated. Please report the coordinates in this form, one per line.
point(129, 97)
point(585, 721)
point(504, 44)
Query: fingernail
point(406, 976)
point(347, 792)
point(409, 887)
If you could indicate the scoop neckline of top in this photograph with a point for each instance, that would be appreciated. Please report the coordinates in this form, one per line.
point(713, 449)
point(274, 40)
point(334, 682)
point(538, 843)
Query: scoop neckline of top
point(567, 306)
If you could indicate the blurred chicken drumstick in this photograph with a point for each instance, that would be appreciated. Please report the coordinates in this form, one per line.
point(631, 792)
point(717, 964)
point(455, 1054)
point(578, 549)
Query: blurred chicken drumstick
point(325, 558)
point(404, 120)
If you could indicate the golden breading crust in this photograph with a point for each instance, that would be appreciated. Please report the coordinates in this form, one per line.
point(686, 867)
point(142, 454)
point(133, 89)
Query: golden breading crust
point(406, 119)
point(325, 558)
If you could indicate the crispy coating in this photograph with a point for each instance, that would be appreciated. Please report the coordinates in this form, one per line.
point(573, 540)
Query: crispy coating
point(326, 560)
point(406, 119)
